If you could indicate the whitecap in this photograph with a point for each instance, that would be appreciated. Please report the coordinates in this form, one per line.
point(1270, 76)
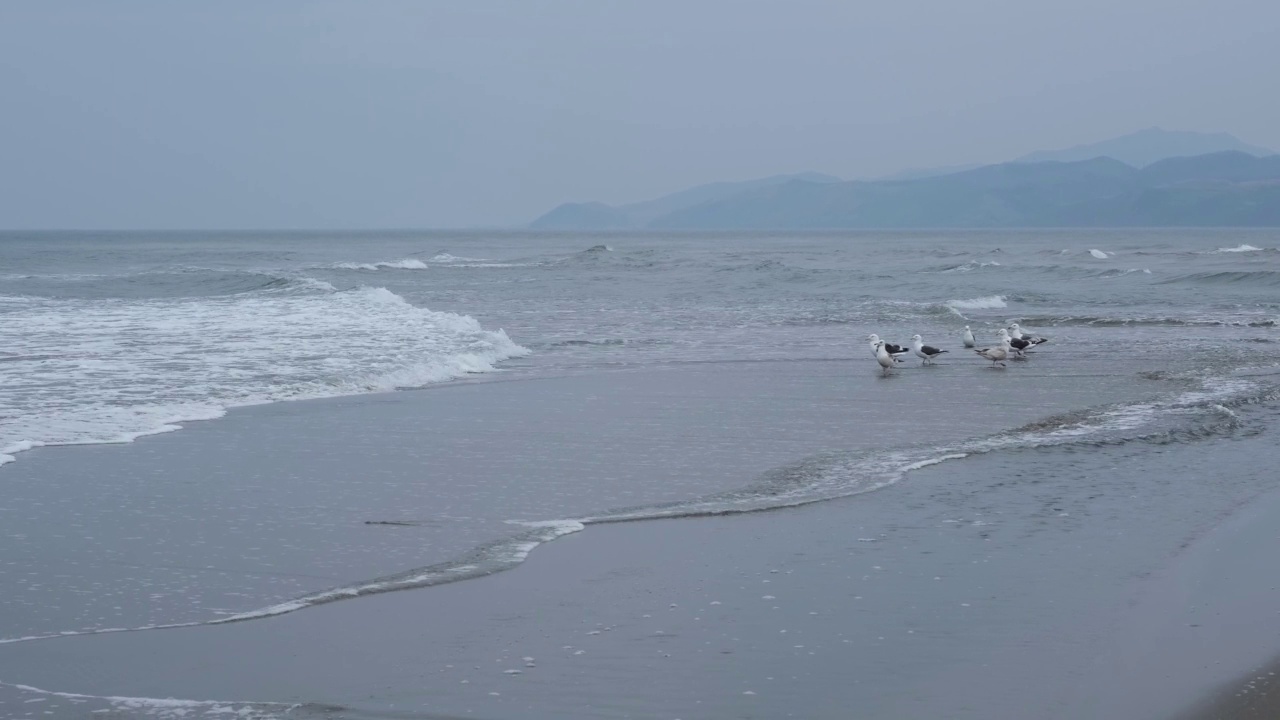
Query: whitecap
point(127, 368)
point(990, 302)
point(970, 266)
point(447, 258)
point(405, 264)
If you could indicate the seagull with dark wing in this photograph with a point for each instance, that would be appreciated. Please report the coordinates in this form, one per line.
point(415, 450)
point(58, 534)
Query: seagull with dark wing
point(926, 353)
point(893, 350)
point(1020, 343)
point(1015, 333)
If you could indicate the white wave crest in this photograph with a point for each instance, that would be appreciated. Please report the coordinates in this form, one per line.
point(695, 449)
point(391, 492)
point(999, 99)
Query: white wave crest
point(125, 368)
point(991, 302)
point(447, 258)
point(311, 283)
point(164, 707)
point(405, 264)
point(1240, 248)
point(971, 266)
point(1100, 254)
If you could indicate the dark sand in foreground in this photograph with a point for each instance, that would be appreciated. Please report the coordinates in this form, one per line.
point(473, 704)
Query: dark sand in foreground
point(1128, 581)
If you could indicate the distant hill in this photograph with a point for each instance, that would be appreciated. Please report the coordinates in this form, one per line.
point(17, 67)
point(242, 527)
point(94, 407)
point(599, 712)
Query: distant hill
point(1215, 190)
point(990, 196)
point(1149, 177)
point(584, 216)
point(917, 173)
point(1138, 149)
point(1145, 147)
point(1231, 188)
point(599, 216)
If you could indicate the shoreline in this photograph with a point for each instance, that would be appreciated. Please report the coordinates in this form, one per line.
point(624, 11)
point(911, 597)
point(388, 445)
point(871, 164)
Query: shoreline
point(945, 586)
point(585, 573)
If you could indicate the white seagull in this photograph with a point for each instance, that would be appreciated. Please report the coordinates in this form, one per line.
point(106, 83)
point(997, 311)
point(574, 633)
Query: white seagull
point(1022, 343)
point(968, 338)
point(884, 358)
point(890, 348)
point(999, 353)
point(926, 353)
point(1016, 333)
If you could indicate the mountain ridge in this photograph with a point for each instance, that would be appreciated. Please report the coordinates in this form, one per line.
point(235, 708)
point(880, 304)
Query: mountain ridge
point(1217, 189)
point(1231, 186)
point(1150, 145)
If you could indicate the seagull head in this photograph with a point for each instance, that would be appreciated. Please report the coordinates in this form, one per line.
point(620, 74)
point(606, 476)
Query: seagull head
point(1004, 334)
point(1013, 326)
point(874, 338)
point(915, 338)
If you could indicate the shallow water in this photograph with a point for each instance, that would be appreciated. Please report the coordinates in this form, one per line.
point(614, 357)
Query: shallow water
point(109, 337)
point(652, 376)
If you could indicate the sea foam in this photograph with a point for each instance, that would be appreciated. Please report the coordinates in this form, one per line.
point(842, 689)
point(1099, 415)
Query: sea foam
point(132, 367)
point(164, 708)
point(990, 302)
point(405, 264)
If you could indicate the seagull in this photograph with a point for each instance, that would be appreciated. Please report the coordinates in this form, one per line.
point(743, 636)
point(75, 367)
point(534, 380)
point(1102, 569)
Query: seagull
point(890, 348)
point(1019, 347)
point(1022, 343)
point(926, 353)
point(968, 337)
point(884, 358)
point(1016, 333)
point(999, 353)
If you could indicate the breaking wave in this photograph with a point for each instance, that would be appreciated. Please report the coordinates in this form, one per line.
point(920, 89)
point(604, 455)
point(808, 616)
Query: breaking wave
point(1243, 247)
point(990, 302)
point(1122, 273)
point(128, 368)
point(405, 264)
point(962, 268)
point(175, 282)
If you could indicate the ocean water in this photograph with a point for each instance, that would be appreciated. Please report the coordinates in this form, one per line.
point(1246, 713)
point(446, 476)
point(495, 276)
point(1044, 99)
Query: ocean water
point(110, 337)
point(1154, 336)
point(100, 327)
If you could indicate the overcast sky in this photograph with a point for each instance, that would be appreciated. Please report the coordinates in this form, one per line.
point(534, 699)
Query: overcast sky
point(376, 114)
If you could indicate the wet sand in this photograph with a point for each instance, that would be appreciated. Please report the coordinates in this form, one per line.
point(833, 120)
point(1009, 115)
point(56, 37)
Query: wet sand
point(1133, 580)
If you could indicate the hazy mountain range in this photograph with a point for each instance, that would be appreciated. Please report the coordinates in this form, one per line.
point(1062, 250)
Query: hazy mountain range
point(1149, 178)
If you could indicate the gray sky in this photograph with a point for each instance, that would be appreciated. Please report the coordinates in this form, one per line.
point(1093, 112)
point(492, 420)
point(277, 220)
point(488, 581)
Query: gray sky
point(381, 113)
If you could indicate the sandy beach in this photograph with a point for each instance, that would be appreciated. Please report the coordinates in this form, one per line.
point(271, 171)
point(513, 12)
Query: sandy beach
point(978, 587)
